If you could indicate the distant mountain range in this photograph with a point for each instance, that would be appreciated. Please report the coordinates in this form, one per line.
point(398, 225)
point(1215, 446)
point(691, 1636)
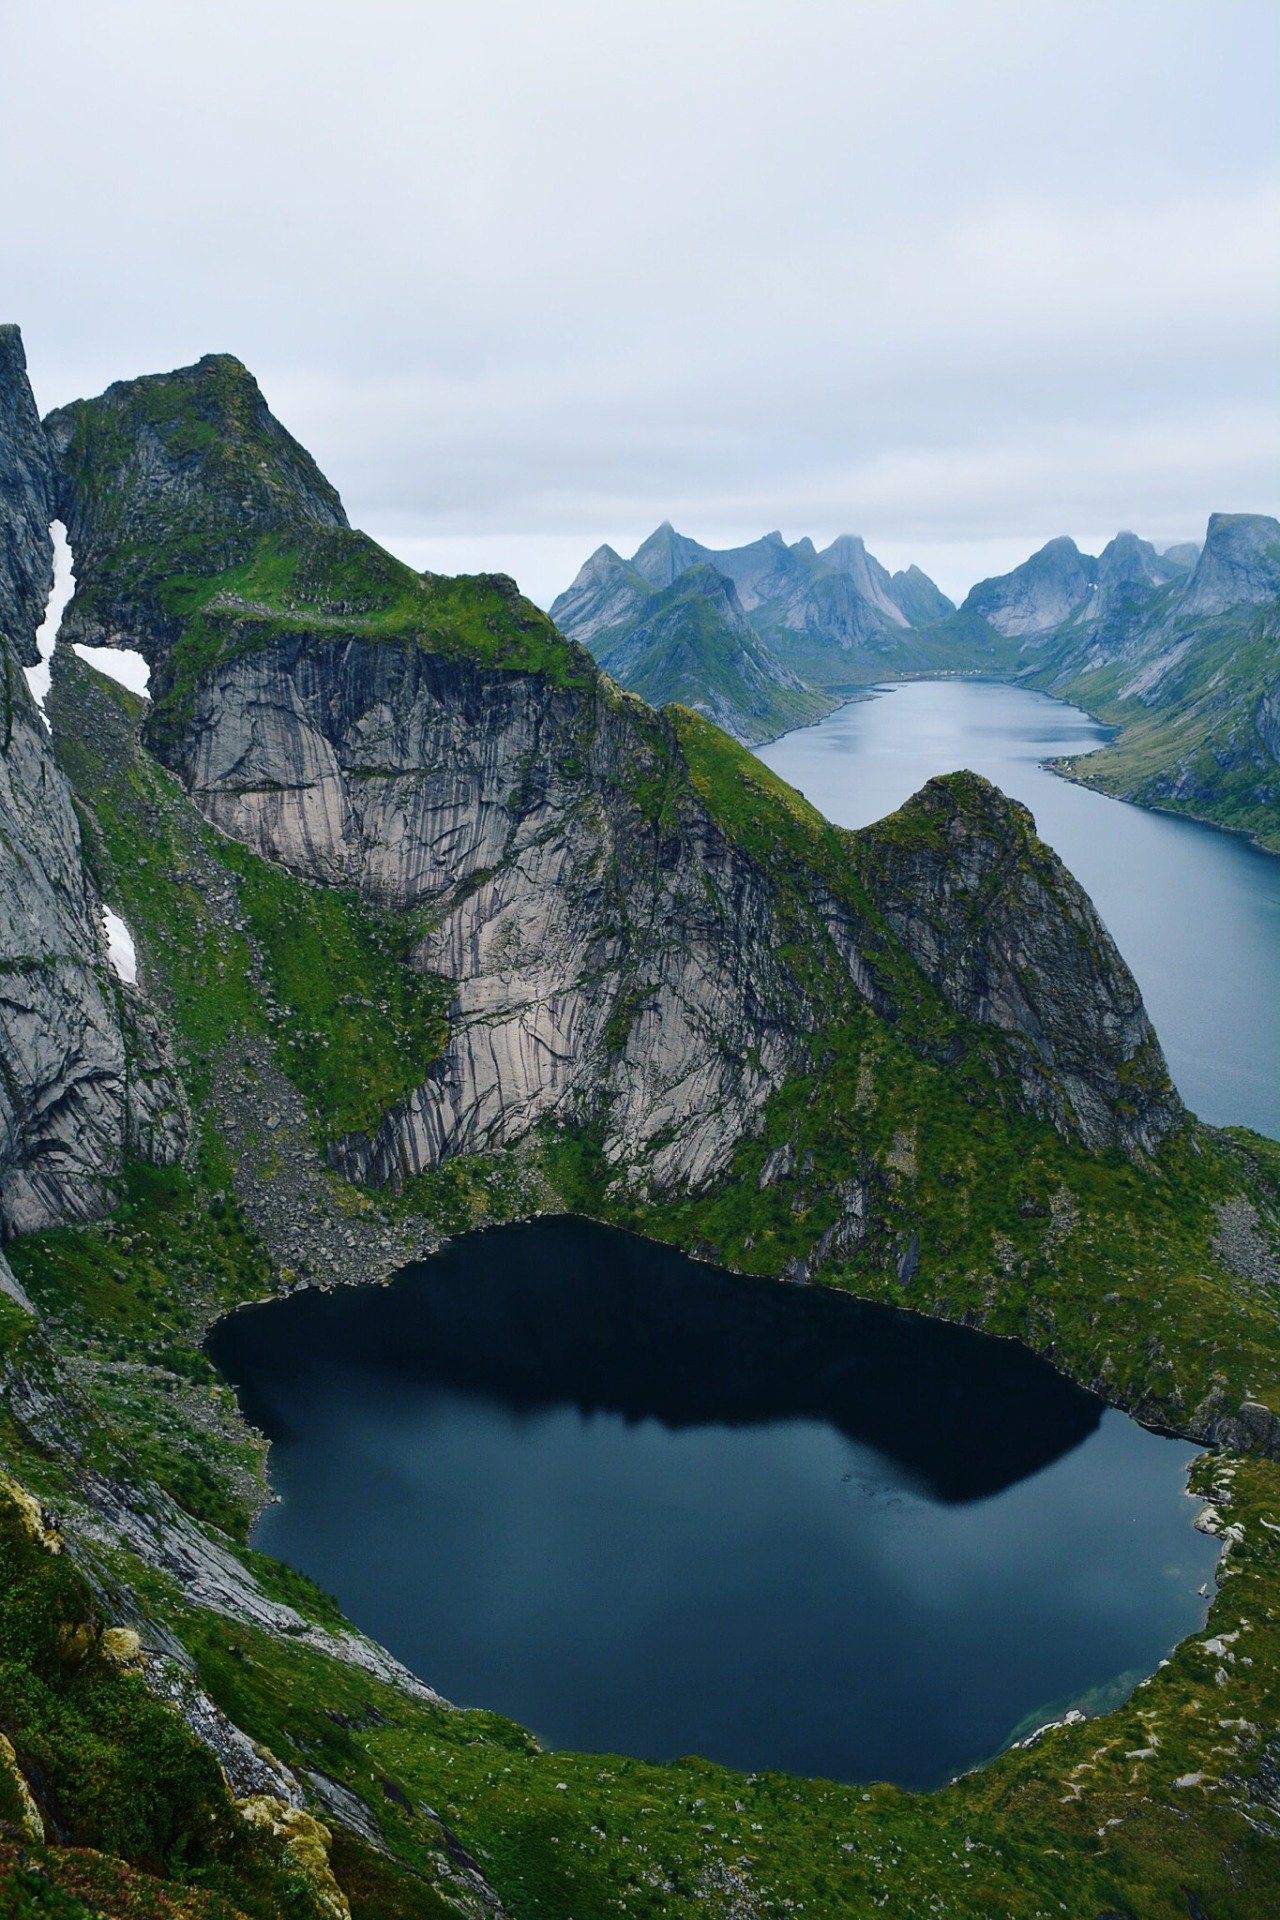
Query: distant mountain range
point(764, 624)
point(1179, 649)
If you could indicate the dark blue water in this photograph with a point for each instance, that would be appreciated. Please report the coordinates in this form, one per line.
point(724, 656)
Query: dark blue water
point(1195, 912)
point(642, 1505)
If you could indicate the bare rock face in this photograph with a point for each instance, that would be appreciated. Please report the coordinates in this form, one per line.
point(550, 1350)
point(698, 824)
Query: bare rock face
point(997, 923)
point(615, 969)
point(83, 1075)
point(604, 968)
point(1239, 565)
point(1055, 583)
point(621, 956)
point(26, 504)
point(84, 1078)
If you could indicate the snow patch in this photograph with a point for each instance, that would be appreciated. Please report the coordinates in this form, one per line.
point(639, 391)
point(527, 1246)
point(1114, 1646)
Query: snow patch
point(124, 664)
point(64, 585)
point(121, 952)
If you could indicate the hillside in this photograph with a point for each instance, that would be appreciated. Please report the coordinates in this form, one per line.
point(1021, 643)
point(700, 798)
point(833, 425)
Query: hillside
point(437, 927)
point(691, 643)
point(1180, 652)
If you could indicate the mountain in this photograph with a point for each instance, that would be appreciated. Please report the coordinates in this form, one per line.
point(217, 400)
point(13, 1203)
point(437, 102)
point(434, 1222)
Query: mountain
point(436, 928)
point(1180, 651)
point(693, 644)
point(810, 622)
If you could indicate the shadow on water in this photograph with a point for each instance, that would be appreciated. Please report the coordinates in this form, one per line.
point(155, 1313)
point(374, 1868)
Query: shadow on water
point(568, 1313)
point(646, 1506)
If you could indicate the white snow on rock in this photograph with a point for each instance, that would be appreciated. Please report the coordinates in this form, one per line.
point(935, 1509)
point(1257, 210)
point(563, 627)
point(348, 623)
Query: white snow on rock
point(121, 951)
point(64, 585)
point(124, 664)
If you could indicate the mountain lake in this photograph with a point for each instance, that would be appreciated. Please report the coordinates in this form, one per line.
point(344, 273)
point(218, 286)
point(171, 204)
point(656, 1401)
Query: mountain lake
point(645, 1506)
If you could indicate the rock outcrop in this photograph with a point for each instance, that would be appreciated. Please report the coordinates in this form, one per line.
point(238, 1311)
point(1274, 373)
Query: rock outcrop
point(622, 958)
point(1012, 941)
point(176, 474)
point(1239, 565)
point(26, 506)
point(83, 1075)
point(1056, 583)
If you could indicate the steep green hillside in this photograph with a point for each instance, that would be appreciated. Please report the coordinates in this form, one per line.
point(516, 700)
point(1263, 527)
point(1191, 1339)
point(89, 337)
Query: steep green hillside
point(1201, 736)
point(1183, 661)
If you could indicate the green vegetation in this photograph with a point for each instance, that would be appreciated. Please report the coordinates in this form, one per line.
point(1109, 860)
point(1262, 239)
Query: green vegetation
point(1190, 749)
point(239, 945)
point(326, 586)
point(113, 1769)
point(1119, 1814)
point(1116, 1267)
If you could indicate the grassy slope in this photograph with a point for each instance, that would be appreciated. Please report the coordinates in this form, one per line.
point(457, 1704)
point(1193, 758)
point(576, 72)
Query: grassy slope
point(1196, 751)
point(1108, 1266)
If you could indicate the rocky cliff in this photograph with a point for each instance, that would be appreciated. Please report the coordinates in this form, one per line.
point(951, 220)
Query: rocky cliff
point(84, 1079)
point(26, 505)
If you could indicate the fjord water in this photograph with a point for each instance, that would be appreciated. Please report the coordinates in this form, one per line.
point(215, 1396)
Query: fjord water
point(646, 1506)
point(1195, 912)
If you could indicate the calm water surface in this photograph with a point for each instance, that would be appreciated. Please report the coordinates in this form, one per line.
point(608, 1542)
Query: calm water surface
point(645, 1506)
point(1195, 912)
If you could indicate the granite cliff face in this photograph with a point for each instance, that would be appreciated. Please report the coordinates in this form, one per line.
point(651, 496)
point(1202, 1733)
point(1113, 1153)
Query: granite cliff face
point(624, 969)
point(1010, 939)
point(84, 1079)
point(26, 505)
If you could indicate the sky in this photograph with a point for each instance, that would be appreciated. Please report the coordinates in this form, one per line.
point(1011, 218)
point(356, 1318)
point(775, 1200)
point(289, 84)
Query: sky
point(956, 275)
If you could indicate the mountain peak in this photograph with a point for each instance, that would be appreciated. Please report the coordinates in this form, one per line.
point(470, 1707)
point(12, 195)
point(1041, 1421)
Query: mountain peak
point(26, 501)
point(665, 554)
point(1055, 583)
point(1239, 565)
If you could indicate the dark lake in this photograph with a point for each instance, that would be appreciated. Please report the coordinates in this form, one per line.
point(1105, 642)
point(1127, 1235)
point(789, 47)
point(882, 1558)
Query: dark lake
point(645, 1506)
point(1195, 912)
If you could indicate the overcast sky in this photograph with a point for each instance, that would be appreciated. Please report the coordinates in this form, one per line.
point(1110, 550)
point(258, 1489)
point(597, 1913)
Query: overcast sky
point(957, 275)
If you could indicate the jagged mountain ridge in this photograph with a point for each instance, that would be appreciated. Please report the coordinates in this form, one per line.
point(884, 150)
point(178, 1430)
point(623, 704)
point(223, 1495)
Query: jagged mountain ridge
point(832, 619)
point(1184, 659)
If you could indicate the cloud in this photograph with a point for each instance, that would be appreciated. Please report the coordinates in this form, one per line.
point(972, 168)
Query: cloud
point(937, 273)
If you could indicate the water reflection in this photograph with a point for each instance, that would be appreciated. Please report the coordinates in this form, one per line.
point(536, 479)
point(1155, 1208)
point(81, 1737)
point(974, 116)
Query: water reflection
point(646, 1506)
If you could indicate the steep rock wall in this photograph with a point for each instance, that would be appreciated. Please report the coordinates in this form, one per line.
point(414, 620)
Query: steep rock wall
point(621, 966)
point(606, 967)
point(26, 504)
point(84, 1078)
point(1013, 942)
